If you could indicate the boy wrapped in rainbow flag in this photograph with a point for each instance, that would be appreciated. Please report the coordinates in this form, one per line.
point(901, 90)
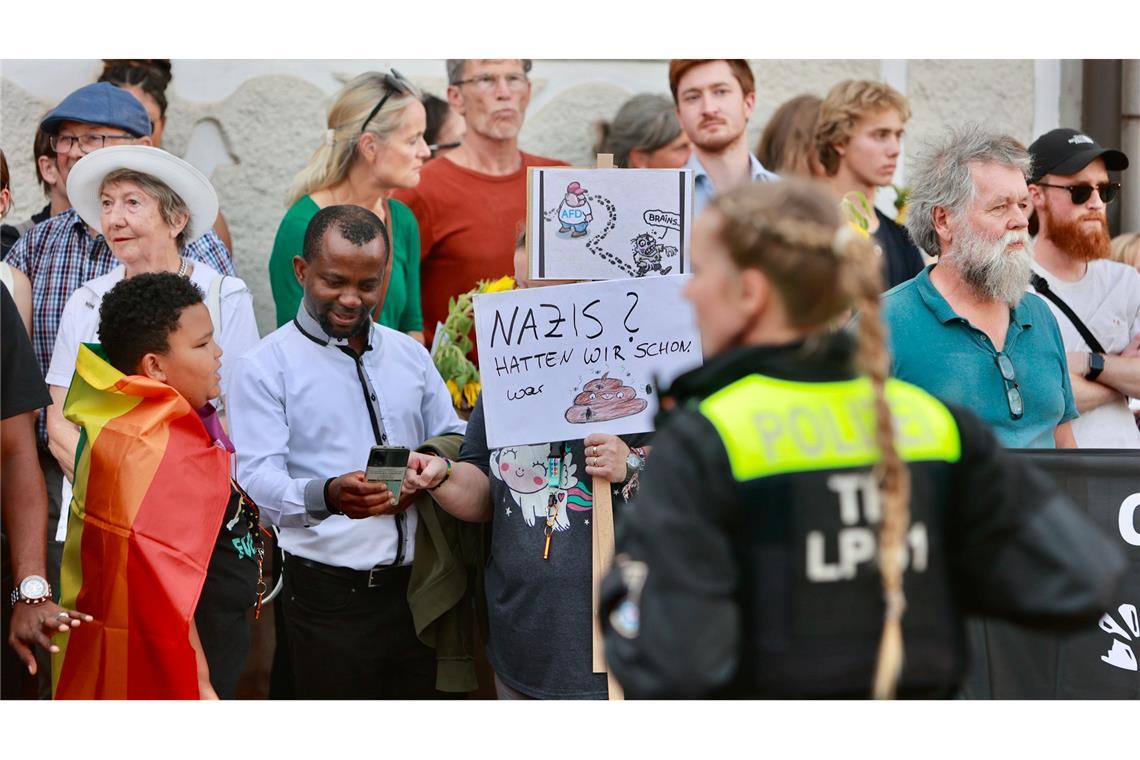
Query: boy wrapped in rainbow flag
point(153, 509)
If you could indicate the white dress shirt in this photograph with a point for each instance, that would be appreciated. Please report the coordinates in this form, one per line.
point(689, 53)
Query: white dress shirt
point(300, 414)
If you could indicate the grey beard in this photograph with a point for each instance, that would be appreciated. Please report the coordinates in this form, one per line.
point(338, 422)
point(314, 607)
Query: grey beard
point(990, 270)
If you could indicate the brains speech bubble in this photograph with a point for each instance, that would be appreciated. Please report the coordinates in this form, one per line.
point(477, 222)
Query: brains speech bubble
point(666, 220)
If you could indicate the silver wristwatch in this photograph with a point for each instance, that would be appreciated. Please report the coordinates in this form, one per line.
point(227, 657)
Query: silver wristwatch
point(32, 590)
point(633, 464)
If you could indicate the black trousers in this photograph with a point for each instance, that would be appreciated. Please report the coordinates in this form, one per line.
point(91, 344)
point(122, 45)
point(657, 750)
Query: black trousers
point(352, 641)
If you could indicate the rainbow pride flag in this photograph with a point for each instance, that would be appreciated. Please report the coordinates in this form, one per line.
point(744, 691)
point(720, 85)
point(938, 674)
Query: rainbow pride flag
point(150, 493)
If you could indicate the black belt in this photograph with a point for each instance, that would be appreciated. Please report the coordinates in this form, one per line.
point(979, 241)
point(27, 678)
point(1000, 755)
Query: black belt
point(377, 576)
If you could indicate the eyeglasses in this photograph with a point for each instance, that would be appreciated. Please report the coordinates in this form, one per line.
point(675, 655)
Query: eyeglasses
point(1081, 193)
point(1012, 392)
point(87, 143)
point(487, 82)
point(396, 83)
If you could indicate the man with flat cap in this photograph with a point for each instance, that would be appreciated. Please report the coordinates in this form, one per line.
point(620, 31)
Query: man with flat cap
point(1096, 301)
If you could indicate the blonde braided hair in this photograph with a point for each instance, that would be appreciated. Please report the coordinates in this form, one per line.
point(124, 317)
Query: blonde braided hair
point(793, 233)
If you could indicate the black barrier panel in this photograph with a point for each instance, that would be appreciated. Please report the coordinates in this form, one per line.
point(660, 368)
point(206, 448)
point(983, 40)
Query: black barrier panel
point(1010, 662)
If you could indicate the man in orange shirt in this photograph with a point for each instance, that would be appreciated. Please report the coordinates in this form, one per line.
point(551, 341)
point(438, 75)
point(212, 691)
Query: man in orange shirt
point(471, 203)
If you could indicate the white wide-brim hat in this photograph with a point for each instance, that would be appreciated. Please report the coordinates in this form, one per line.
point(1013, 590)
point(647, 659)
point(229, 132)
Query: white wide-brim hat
point(86, 179)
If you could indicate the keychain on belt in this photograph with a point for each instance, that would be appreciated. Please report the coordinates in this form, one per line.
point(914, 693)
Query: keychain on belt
point(253, 523)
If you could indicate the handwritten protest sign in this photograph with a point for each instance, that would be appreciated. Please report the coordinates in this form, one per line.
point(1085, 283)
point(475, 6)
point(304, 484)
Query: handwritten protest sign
point(561, 362)
point(600, 224)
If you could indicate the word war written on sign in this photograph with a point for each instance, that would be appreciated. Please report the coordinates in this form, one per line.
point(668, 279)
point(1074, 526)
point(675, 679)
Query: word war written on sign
point(560, 362)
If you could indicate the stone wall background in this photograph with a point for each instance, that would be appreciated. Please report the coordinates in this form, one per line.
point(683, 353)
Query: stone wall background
point(251, 125)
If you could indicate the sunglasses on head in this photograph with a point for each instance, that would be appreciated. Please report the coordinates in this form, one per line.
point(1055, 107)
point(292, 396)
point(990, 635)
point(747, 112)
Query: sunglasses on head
point(1081, 193)
point(395, 82)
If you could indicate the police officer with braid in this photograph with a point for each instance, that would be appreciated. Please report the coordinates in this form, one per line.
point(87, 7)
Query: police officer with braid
point(807, 519)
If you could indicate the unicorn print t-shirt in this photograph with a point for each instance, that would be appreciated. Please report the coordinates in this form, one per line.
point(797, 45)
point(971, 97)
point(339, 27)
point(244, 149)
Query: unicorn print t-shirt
point(539, 610)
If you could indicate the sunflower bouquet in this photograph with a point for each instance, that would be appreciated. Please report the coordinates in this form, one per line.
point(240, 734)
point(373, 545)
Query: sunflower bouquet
point(453, 346)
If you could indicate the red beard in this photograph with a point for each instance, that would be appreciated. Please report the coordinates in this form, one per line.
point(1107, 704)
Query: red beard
point(1080, 243)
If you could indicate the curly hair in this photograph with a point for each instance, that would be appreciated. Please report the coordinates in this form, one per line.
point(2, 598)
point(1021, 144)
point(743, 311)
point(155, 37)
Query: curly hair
point(846, 103)
point(138, 315)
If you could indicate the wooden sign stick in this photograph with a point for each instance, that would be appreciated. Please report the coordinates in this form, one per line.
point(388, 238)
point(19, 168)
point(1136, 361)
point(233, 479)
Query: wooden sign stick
point(603, 532)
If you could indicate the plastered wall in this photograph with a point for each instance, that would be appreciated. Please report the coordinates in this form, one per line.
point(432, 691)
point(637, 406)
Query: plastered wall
point(251, 125)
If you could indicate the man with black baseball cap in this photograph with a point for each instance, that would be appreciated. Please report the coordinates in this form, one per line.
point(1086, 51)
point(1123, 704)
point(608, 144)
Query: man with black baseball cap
point(1096, 301)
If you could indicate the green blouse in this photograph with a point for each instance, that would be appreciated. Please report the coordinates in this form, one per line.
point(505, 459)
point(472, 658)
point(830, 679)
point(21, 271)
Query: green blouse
point(401, 310)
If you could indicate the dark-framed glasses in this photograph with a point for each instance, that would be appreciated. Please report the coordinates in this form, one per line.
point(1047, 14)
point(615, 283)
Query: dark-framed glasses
point(1081, 193)
point(87, 143)
point(487, 82)
point(1012, 391)
point(394, 82)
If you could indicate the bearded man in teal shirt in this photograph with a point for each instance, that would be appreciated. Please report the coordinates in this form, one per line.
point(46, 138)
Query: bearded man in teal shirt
point(965, 329)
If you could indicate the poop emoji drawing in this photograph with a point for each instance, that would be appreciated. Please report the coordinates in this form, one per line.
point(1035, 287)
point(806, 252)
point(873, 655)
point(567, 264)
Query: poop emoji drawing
point(604, 399)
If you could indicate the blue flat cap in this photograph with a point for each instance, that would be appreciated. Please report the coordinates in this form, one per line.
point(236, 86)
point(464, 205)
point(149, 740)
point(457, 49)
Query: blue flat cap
point(100, 103)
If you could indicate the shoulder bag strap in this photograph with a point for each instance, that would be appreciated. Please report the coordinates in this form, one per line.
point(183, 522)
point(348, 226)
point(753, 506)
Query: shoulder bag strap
point(1041, 285)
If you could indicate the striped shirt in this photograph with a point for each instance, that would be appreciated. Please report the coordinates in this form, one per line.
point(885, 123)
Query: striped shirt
point(59, 254)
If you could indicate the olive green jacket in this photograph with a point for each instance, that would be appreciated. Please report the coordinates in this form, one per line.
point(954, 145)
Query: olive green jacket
point(446, 588)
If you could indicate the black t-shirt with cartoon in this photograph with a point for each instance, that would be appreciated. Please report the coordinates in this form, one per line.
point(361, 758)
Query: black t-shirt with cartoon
point(539, 611)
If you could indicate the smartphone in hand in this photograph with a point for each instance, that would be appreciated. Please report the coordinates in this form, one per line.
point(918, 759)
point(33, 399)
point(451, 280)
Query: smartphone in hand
point(386, 464)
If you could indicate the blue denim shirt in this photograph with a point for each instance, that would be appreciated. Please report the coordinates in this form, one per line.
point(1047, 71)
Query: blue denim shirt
point(941, 352)
point(703, 190)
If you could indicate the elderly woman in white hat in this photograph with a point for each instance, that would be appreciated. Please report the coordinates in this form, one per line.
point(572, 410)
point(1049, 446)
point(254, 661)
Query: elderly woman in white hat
point(149, 205)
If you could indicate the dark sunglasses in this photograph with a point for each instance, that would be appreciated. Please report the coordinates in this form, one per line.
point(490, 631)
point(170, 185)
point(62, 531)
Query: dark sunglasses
point(1081, 193)
point(1012, 391)
point(396, 83)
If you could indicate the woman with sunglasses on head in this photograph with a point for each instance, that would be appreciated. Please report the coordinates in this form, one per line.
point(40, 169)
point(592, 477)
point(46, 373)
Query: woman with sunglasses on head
point(807, 520)
point(374, 144)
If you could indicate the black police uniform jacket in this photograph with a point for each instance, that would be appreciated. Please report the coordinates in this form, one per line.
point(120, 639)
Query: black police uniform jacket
point(747, 565)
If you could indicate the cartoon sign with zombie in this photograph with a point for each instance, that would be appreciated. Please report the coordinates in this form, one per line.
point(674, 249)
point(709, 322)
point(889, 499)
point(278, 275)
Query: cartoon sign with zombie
point(603, 224)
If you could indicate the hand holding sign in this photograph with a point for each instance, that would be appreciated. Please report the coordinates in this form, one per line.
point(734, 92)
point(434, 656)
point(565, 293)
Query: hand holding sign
point(561, 362)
